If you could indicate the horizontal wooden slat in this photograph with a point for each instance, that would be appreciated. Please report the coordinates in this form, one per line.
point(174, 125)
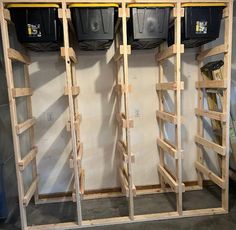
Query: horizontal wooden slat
point(211, 145)
point(20, 128)
point(21, 92)
point(169, 180)
point(27, 159)
point(29, 194)
point(169, 52)
point(212, 84)
point(123, 122)
point(120, 51)
point(169, 86)
point(17, 56)
point(212, 176)
point(72, 54)
point(211, 52)
point(169, 117)
point(167, 148)
point(120, 88)
point(122, 150)
point(211, 114)
point(75, 90)
point(124, 183)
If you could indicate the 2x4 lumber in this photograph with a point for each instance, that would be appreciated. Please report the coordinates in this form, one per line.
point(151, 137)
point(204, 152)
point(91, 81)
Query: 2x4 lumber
point(124, 183)
point(169, 117)
point(22, 127)
point(167, 148)
point(30, 192)
point(28, 158)
point(21, 92)
point(120, 52)
point(211, 114)
point(17, 56)
point(212, 52)
point(69, 77)
point(169, 86)
point(122, 150)
point(75, 90)
point(168, 179)
point(211, 145)
point(121, 88)
point(212, 176)
point(71, 52)
point(168, 52)
point(124, 123)
point(212, 84)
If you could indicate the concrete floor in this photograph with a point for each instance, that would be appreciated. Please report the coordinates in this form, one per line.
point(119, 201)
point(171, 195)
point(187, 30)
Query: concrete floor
point(102, 208)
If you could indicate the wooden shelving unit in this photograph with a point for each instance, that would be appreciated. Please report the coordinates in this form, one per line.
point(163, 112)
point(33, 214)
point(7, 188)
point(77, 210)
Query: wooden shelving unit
point(120, 57)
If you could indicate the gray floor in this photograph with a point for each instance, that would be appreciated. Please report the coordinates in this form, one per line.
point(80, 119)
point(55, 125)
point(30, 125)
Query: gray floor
point(208, 198)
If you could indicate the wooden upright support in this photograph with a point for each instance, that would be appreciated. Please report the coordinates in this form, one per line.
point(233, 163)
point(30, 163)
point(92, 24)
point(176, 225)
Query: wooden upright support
point(18, 128)
point(162, 116)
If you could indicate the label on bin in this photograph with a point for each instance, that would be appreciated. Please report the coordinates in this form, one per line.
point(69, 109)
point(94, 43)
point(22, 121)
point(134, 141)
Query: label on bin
point(34, 30)
point(201, 27)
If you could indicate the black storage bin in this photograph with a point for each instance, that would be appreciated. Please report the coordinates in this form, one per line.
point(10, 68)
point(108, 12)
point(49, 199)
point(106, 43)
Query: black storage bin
point(94, 25)
point(148, 25)
point(200, 25)
point(37, 25)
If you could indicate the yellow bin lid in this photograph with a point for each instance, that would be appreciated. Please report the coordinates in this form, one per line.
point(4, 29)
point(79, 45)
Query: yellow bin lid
point(87, 5)
point(143, 5)
point(196, 4)
point(33, 6)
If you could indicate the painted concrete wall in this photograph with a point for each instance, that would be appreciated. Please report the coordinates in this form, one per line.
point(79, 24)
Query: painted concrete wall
point(98, 130)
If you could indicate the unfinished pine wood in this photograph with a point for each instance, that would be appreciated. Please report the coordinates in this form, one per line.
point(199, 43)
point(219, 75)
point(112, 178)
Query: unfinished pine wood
point(169, 86)
point(213, 84)
point(167, 147)
point(28, 159)
point(168, 52)
point(124, 123)
point(21, 92)
point(17, 56)
point(212, 176)
point(211, 114)
point(71, 52)
point(169, 117)
point(212, 52)
point(211, 145)
point(69, 79)
point(75, 90)
point(28, 196)
point(22, 127)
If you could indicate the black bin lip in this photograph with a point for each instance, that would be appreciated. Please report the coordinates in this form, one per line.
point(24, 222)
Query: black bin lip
point(32, 5)
point(150, 5)
point(93, 5)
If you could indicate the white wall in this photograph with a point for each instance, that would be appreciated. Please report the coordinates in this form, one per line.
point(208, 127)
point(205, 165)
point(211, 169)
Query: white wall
point(98, 130)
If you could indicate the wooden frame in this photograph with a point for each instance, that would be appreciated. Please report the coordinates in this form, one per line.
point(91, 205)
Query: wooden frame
point(124, 142)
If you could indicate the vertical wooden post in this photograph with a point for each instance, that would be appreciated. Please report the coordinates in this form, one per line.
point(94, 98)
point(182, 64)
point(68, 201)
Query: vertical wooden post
point(226, 101)
point(126, 99)
point(13, 113)
point(178, 107)
point(71, 109)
